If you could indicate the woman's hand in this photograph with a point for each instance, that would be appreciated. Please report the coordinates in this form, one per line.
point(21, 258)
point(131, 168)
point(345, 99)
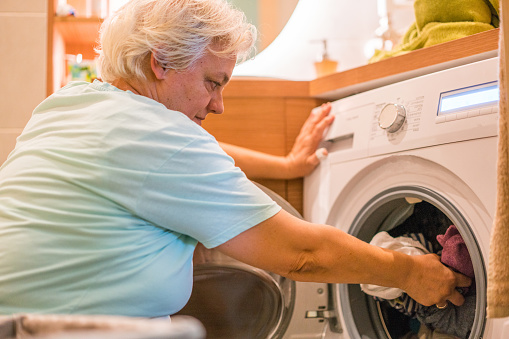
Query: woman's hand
point(432, 283)
point(302, 159)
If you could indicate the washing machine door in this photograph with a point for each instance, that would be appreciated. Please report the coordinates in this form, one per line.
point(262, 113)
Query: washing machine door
point(236, 300)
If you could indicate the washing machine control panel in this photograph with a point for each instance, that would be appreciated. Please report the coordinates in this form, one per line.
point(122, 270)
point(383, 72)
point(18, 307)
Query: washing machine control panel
point(453, 105)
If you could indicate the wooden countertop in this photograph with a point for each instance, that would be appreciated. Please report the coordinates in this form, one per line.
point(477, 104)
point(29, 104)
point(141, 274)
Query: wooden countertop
point(338, 85)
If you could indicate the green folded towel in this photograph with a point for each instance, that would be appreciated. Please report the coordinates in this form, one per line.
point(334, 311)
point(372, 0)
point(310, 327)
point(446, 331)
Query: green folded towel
point(438, 21)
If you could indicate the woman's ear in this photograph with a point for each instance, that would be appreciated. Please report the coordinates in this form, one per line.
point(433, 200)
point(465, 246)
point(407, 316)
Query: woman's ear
point(158, 70)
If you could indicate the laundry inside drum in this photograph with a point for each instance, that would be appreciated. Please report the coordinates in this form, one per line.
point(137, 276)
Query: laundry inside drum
point(401, 317)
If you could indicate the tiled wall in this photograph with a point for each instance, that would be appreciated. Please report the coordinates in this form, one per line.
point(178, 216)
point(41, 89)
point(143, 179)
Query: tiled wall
point(23, 40)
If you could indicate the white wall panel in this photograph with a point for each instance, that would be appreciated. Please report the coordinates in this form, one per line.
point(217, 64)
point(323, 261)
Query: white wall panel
point(23, 41)
point(24, 6)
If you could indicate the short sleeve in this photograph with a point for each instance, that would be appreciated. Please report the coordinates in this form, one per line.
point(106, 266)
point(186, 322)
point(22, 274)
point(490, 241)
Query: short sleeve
point(199, 192)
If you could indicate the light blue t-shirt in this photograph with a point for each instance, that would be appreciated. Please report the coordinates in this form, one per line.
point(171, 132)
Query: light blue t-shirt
point(103, 200)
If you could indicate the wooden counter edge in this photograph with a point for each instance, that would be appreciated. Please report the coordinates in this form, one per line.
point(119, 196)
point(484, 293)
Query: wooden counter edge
point(251, 87)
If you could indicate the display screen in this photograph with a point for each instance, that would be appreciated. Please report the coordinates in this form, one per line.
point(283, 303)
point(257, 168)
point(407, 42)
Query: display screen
point(471, 97)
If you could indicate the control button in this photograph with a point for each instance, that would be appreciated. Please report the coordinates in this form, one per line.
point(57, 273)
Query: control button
point(484, 111)
point(473, 113)
point(392, 117)
point(450, 117)
point(440, 119)
point(462, 115)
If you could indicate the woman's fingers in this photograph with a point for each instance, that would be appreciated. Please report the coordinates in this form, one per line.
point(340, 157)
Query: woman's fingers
point(435, 284)
point(456, 298)
point(461, 281)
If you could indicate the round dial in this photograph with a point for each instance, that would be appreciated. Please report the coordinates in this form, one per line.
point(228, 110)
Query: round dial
point(392, 117)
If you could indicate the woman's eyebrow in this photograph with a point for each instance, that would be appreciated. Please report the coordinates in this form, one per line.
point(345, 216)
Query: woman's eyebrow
point(226, 79)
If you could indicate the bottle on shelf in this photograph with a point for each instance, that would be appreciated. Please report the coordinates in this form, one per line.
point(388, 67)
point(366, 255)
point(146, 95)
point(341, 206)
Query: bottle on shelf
point(324, 65)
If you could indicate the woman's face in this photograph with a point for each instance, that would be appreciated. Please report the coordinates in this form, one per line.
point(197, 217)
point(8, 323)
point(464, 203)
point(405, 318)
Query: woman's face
point(197, 91)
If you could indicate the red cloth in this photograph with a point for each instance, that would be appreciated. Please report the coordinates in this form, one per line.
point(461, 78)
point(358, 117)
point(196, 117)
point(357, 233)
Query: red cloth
point(455, 253)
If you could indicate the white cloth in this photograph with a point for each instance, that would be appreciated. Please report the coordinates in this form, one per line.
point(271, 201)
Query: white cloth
point(402, 244)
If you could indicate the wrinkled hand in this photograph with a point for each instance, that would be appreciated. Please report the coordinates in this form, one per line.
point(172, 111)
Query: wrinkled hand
point(432, 283)
point(302, 159)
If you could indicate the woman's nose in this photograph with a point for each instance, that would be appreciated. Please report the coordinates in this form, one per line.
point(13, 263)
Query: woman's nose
point(216, 104)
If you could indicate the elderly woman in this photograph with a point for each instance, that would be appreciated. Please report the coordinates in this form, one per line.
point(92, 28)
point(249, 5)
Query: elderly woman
point(112, 184)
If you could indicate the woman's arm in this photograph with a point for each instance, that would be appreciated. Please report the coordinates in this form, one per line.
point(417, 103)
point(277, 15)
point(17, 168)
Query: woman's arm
point(302, 251)
point(301, 160)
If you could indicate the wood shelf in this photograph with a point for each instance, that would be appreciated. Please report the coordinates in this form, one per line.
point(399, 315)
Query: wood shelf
point(77, 19)
point(78, 30)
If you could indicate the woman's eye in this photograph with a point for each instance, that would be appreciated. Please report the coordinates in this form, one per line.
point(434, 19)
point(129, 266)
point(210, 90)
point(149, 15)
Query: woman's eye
point(214, 84)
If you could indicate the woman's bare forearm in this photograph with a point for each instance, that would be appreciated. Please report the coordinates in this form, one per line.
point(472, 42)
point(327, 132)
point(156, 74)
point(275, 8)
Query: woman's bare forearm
point(309, 252)
point(258, 164)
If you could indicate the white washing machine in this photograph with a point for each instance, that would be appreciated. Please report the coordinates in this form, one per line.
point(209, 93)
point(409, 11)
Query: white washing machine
point(425, 144)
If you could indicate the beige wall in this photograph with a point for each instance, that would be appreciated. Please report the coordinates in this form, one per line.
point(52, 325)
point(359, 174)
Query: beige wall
point(22, 66)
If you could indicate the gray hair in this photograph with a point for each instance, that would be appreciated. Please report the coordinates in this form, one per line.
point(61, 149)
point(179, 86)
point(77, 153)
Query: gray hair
point(177, 32)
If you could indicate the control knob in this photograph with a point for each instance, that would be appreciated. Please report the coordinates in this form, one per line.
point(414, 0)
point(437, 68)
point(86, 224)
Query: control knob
point(392, 117)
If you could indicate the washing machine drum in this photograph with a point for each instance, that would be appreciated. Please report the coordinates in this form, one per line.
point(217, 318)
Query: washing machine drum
point(235, 300)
